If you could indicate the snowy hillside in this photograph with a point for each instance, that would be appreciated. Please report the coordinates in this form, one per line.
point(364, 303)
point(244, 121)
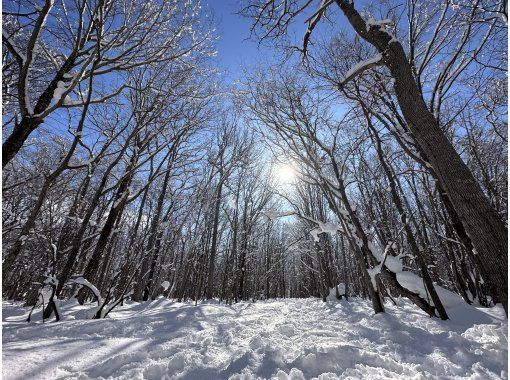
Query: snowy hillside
point(283, 339)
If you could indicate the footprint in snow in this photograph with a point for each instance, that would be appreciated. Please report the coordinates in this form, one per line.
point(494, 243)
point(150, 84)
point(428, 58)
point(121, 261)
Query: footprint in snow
point(256, 342)
point(287, 330)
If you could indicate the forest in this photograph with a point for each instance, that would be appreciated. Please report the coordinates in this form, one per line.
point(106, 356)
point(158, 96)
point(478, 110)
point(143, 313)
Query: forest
point(365, 160)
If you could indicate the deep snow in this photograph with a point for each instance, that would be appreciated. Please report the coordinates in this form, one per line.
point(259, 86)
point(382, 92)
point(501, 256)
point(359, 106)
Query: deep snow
point(283, 339)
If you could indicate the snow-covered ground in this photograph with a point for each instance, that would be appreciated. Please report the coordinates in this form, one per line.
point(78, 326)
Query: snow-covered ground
point(283, 339)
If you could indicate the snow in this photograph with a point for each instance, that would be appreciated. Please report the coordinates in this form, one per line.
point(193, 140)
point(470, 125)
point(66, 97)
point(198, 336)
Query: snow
point(75, 219)
point(329, 227)
point(361, 66)
point(324, 227)
point(59, 91)
point(278, 339)
point(409, 280)
point(381, 23)
point(386, 23)
point(315, 234)
point(97, 293)
point(28, 104)
point(118, 202)
point(51, 280)
point(332, 292)
point(272, 214)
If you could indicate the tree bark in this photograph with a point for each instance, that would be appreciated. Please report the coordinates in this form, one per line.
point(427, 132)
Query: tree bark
point(409, 234)
point(116, 210)
point(481, 222)
point(214, 243)
point(16, 139)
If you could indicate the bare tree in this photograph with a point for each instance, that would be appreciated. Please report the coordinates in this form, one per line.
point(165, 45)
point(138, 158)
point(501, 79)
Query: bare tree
point(54, 45)
point(481, 222)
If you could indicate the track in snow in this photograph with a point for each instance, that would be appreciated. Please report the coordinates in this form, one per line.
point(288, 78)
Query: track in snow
point(284, 339)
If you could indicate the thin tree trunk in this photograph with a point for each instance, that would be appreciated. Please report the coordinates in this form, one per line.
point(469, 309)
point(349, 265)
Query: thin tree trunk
point(481, 222)
point(214, 243)
point(409, 234)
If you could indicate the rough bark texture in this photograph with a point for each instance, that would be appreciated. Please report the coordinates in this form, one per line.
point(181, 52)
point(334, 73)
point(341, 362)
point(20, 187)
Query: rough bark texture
point(481, 222)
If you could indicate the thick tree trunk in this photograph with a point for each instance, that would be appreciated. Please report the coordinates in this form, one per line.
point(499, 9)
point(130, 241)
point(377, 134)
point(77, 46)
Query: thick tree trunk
point(93, 264)
point(243, 251)
point(483, 225)
point(155, 258)
point(17, 138)
point(345, 271)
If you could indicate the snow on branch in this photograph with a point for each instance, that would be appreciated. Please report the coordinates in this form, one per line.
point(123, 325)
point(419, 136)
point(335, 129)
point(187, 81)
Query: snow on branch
point(361, 67)
point(320, 11)
point(322, 227)
point(382, 23)
point(93, 289)
point(272, 215)
point(17, 53)
point(312, 21)
point(78, 103)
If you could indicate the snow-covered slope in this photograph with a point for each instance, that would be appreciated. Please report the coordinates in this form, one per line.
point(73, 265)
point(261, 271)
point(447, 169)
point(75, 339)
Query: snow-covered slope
point(283, 339)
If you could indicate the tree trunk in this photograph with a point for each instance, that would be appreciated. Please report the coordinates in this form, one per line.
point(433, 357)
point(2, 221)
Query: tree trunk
point(409, 234)
point(214, 243)
point(116, 210)
point(481, 222)
point(155, 235)
point(16, 139)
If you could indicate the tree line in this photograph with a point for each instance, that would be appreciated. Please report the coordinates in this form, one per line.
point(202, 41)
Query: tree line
point(131, 172)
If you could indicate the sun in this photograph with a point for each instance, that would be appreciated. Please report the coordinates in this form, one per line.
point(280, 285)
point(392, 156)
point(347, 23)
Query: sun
point(285, 174)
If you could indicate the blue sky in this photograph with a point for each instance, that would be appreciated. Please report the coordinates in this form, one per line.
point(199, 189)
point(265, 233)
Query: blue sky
point(235, 48)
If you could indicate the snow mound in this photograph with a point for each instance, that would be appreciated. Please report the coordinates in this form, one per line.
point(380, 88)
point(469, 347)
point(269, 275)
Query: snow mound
point(280, 339)
point(332, 292)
